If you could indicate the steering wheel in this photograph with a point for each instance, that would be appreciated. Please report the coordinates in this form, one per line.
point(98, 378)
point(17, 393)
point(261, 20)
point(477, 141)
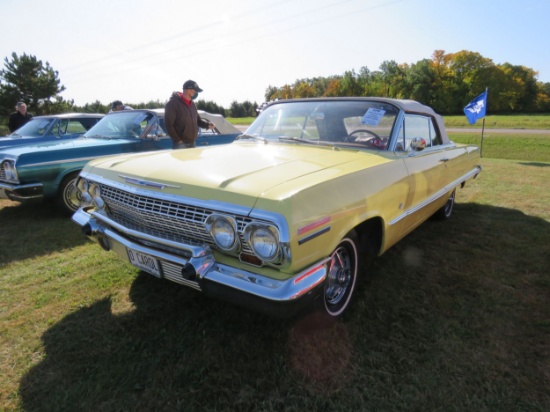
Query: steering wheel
point(350, 137)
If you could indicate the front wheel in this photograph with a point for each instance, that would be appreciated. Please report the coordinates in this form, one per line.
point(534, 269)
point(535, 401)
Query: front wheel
point(69, 198)
point(342, 276)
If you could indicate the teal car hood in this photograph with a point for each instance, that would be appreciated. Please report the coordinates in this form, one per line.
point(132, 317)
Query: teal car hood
point(82, 149)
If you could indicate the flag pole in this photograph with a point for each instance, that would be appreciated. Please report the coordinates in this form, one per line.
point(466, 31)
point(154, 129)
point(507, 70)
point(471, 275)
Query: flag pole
point(483, 125)
point(482, 130)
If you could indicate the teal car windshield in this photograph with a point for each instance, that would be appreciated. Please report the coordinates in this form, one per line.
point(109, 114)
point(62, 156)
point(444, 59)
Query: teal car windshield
point(121, 126)
point(332, 122)
point(35, 127)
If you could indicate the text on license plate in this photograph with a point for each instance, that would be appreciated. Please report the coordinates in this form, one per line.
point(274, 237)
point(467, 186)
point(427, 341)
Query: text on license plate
point(145, 262)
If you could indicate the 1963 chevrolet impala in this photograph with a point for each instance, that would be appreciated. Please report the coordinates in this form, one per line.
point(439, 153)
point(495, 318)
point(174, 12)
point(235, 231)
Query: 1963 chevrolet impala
point(283, 217)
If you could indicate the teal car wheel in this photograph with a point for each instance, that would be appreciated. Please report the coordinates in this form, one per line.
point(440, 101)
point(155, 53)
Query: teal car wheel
point(69, 197)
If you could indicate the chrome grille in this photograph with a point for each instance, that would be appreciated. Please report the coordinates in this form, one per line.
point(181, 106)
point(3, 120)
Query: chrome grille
point(163, 219)
point(2, 171)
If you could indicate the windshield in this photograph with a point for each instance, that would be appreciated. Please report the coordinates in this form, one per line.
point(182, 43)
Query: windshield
point(35, 127)
point(345, 123)
point(122, 125)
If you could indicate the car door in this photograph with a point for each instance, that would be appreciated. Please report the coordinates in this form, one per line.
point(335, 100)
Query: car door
point(425, 159)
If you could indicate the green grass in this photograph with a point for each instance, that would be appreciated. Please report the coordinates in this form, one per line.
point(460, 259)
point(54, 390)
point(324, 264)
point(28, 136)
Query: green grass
point(240, 120)
point(526, 147)
point(455, 317)
point(534, 121)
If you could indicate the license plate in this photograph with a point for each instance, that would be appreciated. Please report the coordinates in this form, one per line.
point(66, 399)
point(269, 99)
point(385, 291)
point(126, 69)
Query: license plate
point(145, 262)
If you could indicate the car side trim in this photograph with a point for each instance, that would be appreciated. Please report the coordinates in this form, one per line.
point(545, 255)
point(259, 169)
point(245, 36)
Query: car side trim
point(472, 173)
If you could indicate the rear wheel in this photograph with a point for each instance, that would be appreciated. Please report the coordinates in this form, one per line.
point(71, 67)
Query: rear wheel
point(68, 198)
point(447, 210)
point(342, 276)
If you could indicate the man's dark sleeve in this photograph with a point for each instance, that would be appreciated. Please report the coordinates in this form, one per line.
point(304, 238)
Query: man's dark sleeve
point(202, 123)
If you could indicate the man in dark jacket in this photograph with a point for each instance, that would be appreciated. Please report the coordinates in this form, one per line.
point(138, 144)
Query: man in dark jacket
point(182, 118)
point(19, 117)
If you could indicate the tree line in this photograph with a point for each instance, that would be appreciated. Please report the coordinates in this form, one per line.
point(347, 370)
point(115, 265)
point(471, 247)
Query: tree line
point(446, 82)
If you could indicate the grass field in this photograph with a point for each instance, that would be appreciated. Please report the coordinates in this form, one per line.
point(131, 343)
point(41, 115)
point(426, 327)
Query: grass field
point(456, 317)
point(535, 121)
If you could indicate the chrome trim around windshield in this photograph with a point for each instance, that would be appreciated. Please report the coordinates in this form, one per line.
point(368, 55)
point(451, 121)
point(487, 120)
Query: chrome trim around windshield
point(437, 195)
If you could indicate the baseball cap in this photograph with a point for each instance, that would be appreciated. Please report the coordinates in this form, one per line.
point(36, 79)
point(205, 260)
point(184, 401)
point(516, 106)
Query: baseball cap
point(190, 84)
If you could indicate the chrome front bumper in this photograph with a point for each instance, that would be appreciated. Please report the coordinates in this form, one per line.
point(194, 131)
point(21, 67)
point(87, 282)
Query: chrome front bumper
point(22, 193)
point(196, 267)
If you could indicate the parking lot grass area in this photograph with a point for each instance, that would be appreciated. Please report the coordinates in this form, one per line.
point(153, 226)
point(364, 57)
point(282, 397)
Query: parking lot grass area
point(525, 147)
point(454, 317)
point(520, 121)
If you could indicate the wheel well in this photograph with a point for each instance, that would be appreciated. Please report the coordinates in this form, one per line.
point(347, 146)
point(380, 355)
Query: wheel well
point(370, 236)
point(66, 177)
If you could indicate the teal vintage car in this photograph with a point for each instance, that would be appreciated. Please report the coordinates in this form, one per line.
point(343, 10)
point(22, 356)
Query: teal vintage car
point(51, 128)
point(36, 172)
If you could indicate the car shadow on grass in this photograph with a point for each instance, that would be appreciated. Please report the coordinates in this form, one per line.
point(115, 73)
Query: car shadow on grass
point(30, 231)
point(455, 314)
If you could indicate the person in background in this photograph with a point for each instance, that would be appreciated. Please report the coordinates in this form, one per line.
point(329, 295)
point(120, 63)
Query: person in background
point(19, 117)
point(182, 118)
point(117, 106)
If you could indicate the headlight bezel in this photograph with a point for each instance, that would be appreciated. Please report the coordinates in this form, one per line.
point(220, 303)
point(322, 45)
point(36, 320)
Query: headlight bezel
point(10, 170)
point(215, 224)
point(90, 193)
point(257, 244)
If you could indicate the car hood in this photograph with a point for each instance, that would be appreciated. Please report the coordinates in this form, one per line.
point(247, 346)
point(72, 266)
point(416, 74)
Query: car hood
point(44, 147)
point(237, 173)
point(14, 140)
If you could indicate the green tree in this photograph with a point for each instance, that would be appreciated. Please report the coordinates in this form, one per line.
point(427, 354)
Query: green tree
point(28, 79)
point(419, 82)
point(349, 84)
point(210, 107)
point(525, 86)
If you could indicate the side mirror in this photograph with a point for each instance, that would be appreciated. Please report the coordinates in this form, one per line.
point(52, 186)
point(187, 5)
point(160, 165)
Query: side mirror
point(418, 144)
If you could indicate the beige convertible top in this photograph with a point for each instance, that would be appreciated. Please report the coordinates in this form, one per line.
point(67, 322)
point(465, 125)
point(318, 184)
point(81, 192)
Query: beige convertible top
point(221, 123)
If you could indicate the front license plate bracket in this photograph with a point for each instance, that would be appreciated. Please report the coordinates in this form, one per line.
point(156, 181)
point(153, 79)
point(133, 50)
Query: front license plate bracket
point(144, 262)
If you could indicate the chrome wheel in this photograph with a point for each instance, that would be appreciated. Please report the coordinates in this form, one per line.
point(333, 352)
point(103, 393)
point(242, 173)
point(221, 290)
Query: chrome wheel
point(341, 278)
point(69, 197)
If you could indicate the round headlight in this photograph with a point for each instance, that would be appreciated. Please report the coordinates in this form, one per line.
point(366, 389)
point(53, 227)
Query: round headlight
point(95, 190)
point(9, 170)
point(82, 185)
point(264, 243)
point(223, 231)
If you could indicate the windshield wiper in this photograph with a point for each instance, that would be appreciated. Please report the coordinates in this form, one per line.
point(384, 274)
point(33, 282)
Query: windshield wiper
point(313, 142)
point(249, 136)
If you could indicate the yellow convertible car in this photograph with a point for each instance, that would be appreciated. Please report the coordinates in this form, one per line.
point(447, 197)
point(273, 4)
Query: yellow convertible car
point(282, 218)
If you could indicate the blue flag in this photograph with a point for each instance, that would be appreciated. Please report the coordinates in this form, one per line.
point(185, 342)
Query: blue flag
point(476, 108)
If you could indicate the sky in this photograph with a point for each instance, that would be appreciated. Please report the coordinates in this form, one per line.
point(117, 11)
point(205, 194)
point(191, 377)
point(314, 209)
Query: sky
point(137, 51)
